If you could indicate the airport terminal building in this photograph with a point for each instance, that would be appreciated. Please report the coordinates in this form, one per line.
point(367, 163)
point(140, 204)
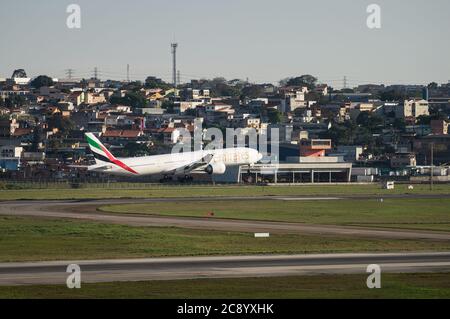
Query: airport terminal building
point(309, 166)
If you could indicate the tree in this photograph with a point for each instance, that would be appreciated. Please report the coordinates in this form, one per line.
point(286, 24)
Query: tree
point(133, 149)
point(134, 86)
point(369, 120)
point(14, 101)
point(433, 86)
point(54, 143)
point(40, 81)
point(133, 99)
point(223, 89)
point(393, 95)
point(64, 124)
point(424, 120)
point(314, 96)
point(342, 134)
point(190, 112)
point(252, 91)
point(399, 124)
point(274, 116)
point(37, 138)
point(152, 82)
point(303, 80)
point(168, 106)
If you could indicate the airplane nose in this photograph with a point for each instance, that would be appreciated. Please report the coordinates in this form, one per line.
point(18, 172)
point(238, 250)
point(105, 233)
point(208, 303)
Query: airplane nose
point(257, 156)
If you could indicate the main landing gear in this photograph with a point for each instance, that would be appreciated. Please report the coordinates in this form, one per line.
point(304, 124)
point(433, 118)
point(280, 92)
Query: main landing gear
point(166, 179)
point(185, 179)
point(180, 179)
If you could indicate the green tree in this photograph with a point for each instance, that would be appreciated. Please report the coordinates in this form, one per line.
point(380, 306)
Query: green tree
point(134, 86)
point(37, 138)
point(433, 86)
point(303, 80)
point(15, 101)
point(152, 82)
point(252, 91)
point(399, 124)
point(424, 120)
point(40, 81)
point(168, 106)
point(274, 116)
point(54, 143)
point(191, 112)
point(393, 95)
point(133, 149)
point(64, 124)
point(342, 134)
point(133, 99)
point(369, 120)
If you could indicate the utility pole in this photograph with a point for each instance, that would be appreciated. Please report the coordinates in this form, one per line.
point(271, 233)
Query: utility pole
point(432, 165)
point(128, 73)
point(174, 64)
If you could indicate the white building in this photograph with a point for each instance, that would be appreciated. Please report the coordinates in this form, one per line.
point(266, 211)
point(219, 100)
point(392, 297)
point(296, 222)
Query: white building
point(294, 100)
point(412, 108)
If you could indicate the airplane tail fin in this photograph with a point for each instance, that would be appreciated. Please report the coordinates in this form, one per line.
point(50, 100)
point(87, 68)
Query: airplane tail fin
point(101, 153)
point(103, 157)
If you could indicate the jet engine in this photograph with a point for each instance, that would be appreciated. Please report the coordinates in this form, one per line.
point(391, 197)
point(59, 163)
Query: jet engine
point(216, 168)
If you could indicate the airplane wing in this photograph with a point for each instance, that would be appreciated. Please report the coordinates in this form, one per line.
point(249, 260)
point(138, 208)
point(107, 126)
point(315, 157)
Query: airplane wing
point(186, 169)
point(100, 168)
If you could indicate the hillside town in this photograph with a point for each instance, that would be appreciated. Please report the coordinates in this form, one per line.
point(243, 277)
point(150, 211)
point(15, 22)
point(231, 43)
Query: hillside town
point(362, 134)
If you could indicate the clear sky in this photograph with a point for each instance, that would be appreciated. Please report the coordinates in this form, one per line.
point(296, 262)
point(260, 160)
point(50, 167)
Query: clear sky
point(264, 40)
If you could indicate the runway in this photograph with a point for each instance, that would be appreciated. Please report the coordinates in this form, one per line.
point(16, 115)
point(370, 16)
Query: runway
point(86, 210)
point(220, 267)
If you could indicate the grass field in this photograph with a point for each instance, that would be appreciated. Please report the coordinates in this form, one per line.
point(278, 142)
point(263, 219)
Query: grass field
point(189, 191)
point(429, 214)
point(34, 239)
point(327, 286)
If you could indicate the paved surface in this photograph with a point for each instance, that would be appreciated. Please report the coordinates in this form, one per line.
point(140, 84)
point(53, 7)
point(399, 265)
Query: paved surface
point(220, 267)
point(85, 210)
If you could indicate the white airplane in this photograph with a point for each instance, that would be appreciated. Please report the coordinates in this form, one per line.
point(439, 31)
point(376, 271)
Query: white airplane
point(209, 161)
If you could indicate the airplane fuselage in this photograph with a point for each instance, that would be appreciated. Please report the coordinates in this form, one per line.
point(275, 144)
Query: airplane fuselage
point(174, 163)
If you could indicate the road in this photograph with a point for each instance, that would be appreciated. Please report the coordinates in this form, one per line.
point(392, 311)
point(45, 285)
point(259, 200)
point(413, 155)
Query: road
point(220, 267)
point(86, 210)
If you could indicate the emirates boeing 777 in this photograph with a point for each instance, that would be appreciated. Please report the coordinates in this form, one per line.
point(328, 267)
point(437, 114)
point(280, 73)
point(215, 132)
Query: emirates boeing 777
point(209, 161)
